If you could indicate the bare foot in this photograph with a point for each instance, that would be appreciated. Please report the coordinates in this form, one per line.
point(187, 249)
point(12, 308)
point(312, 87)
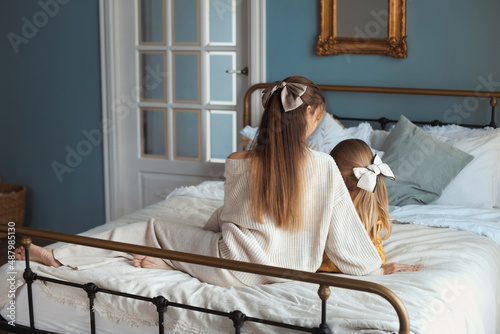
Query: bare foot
point(38, 254)
point(149, 262)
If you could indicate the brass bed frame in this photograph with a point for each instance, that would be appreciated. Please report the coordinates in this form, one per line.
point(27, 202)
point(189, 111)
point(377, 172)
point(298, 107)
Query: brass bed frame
point(492, 95)
point(324, 281)
point(161, 303)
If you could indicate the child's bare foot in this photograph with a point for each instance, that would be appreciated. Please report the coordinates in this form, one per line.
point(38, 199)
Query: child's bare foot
point(38, 254)
point(149, 262)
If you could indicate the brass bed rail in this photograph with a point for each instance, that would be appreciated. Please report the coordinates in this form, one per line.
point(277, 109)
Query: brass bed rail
point(492, 95)
point(325, 281)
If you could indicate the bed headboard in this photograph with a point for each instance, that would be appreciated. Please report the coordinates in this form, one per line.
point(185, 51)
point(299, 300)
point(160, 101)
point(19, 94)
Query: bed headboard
point(389, 90)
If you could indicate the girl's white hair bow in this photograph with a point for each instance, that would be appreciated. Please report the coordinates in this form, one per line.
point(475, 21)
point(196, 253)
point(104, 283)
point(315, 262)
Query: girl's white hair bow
point(367, 176)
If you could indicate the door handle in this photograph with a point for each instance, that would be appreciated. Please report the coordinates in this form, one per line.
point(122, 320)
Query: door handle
point(243, 71)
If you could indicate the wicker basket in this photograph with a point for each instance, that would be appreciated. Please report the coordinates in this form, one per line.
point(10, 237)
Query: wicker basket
point(12, 204)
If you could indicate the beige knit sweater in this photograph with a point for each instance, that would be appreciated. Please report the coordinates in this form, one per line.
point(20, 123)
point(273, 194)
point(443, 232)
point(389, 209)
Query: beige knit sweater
point(332, 225)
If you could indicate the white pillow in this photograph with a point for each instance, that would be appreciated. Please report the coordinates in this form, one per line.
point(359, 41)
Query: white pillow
point(363, 131)
point(477, 184)
point(249, 131)
point(378, 138)
point(456, 131)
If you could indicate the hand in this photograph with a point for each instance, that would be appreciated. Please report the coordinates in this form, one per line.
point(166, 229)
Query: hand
point(391, 268)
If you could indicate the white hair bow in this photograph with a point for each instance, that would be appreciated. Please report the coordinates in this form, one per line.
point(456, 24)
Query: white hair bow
point(367, 176)
point(290, 94)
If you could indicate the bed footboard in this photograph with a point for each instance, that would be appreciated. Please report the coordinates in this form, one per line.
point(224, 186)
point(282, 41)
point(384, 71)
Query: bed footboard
point(161, 303)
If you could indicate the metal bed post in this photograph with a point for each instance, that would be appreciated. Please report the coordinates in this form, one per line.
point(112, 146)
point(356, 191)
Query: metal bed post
point(324, 293)
point(91, 290)
point(493, 104)
point(161, 304)
point(238, 318)
point(29, 277)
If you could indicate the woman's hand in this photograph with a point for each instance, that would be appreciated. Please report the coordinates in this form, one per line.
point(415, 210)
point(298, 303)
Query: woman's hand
point(391, 268)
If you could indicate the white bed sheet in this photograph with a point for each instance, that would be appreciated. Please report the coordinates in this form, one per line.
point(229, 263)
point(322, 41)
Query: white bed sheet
point(457, 290)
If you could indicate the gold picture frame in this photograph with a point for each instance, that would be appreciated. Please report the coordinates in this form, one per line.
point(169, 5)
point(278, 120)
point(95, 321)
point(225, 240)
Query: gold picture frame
point(394, 45)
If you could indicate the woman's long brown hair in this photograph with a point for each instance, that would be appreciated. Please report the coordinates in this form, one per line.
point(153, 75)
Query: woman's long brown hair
point(371, 207)
point(279, 155)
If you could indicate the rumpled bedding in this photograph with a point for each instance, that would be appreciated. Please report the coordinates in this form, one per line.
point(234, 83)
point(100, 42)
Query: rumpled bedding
point(482, 221)
point(456, 291)
point(476, 220)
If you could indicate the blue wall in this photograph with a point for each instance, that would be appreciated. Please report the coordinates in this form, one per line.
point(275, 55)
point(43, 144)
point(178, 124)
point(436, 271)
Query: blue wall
point(50, 94)
point(452, 44)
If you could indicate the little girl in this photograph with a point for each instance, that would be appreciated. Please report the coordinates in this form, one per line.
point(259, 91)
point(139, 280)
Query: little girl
point(363, 174)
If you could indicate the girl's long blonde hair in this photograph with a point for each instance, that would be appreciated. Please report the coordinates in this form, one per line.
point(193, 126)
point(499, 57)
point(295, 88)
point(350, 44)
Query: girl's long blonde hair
point(371, 207)
point(278, 157)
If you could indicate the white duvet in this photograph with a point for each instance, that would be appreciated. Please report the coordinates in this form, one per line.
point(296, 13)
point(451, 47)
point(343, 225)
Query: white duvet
point(456, 291)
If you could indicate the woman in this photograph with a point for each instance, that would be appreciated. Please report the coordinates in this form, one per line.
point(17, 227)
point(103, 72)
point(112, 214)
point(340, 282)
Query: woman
point(284, 205)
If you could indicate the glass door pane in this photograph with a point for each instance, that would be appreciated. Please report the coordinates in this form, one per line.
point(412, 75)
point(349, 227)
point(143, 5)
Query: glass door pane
point(222, 85)
point(222, 24)
point(222, 134)
point(186, 77)
point(186, 22)
point(152, 21)
point(153, 132)
point(187, 137)
point(152, 76)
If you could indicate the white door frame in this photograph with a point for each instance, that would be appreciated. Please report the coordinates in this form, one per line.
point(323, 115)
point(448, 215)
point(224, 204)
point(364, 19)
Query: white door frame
point(113, 111)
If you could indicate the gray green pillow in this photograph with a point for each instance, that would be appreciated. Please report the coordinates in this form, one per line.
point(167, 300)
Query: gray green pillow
point(423, 165)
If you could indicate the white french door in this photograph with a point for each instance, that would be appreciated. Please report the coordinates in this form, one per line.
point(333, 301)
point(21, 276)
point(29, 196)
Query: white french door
point(173, 93)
